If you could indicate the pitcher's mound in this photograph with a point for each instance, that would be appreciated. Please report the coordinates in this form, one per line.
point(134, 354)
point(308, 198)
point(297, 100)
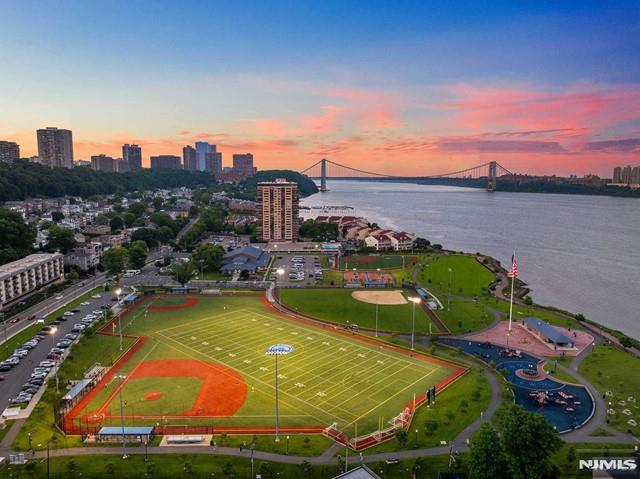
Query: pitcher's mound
point(152, 396)
point(379, 297)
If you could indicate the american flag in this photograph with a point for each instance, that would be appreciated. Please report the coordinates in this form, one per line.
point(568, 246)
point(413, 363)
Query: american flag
point(514, 267)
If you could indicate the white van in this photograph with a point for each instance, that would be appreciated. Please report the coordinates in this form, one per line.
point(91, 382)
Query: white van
point(132, 272)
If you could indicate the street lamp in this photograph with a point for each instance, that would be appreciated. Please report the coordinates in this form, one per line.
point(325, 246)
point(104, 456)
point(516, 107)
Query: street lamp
point(287, 445)
point(416, 438)
point(278, 350)
point(52, 332)
point(376, 315)
point(414, 300)
point(122, 378)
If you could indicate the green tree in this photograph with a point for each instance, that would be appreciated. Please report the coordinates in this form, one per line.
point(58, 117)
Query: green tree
point(129, 219)
point(60, 239)
point(138, 254)
point(101, 220)
point(137, 209)
point(114, 260)
point(401, 436)
point(57, 216)
point(207, 255)
point(182, 273)
point(528, 441)
point(116, 224)
point(110, 468)
point(227, 469)
point(486, 456)
point(148, 235)
point(430, 427)
point(16, 237)
point(73, 275)
point(157, 203)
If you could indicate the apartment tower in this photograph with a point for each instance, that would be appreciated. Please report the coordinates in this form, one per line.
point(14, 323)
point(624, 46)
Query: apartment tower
point(277, 211)
point(55, 147)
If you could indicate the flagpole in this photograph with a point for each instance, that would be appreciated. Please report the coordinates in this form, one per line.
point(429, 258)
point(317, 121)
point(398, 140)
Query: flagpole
point(513, 280)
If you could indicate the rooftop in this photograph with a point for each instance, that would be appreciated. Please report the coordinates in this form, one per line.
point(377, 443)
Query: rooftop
point(546, 330)
point(27, 262)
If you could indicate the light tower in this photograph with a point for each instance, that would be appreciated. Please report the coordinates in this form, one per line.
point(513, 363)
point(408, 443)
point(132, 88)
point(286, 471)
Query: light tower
point(278, 350)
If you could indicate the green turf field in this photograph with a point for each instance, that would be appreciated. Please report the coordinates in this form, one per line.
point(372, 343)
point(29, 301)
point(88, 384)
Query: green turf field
point(327, 378)
point(337, 305)
point(374, 261)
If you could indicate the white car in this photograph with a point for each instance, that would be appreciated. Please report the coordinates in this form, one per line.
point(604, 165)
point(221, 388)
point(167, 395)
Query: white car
point(85, 303)
point(68, 313)
point(59, 297)
point(96, 296)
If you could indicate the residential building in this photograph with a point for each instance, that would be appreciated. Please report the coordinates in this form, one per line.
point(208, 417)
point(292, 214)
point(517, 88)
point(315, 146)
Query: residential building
point(379, 241)
point(635, 176)
point(55, 147)
point(9, 151)
point(277, 211)
point(626, 175)
point(132, 156)
point(617, 174)
point(103, 163)
point(24, 276)
point(208, 158)
point(121, 166)
point(243, 165)
point(97, 229)
point(401, 241)
point(189, 158)
point(82, 261)
point(166, 161)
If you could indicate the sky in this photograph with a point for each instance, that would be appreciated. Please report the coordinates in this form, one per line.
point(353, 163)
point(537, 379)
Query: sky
point(396, 87)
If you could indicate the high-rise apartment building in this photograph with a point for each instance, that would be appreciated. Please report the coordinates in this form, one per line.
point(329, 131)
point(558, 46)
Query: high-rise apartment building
point(626, 175)
point(189, 158)
point(9, 151)
point(635, 176)
point(277, 211)
point(208, 158)
point(166, 161)
point(243, 165)
point(55, 147)
point(132, 156)
point(617, 174)
point(103, 163)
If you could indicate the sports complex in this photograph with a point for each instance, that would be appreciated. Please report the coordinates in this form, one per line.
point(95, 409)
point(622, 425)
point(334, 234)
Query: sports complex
point(198, 364)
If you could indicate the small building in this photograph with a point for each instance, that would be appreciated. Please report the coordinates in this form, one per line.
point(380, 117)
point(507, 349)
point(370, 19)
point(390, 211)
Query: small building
point(131, 434)
point(247, 258)
point(360, 472)
point(547, 333)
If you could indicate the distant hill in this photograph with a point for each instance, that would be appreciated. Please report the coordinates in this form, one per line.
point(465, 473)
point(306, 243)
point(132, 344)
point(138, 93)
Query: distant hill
point(306, 186)
point(23, 179)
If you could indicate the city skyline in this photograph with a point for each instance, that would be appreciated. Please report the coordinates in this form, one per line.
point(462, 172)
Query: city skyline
point(422, 88)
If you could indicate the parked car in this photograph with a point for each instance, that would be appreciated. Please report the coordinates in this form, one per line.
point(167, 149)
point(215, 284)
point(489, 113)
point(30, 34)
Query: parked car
point(68, 313)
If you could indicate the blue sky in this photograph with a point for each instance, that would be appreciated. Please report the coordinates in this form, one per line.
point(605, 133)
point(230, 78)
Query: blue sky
point(297, 80)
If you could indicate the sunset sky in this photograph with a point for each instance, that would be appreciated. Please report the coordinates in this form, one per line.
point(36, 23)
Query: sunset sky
point(395, 87)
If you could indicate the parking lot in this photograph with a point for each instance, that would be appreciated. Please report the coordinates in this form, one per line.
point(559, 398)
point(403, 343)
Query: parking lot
point(298, 270)
point(25, 374)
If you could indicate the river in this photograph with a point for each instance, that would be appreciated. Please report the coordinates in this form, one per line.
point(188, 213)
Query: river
point(579, 253)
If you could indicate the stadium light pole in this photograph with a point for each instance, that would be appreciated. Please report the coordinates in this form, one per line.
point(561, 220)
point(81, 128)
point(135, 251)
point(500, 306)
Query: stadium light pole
point(122, 377)
point(376, 315)
point(278, 350)
point(449, 295)
point(118, 292)
point(414, 300)
point(52, 332)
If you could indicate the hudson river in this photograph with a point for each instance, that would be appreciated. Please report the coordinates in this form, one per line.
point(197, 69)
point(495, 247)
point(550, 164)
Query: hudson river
point(580, 253)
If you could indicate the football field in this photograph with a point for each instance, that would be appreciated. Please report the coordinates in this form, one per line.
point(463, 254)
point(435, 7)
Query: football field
point(206, 365)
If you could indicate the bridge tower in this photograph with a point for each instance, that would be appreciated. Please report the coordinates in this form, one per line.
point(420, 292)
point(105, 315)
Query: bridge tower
point(323, 175)
point(492, 177)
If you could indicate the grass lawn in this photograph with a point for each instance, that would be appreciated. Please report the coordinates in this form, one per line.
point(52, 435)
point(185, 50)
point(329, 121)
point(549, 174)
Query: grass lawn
point(337, 305)
point(12, 343)
point(328, 378)
point(569, 468)
point(612, 370)
point(299, 444)
point(84, 354)
point(456, 407)
point(465, 316)
point(468, 276)
point(206, 465)
point(521, 312)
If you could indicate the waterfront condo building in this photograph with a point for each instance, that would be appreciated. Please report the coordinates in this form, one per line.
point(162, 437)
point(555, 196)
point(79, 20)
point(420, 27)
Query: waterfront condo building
point(103, 163)
point(277, 211)
point(189, 158)
point(9, 152)
point(55, 147)
point(132, 156)
point(21, 278)
point(166, 161)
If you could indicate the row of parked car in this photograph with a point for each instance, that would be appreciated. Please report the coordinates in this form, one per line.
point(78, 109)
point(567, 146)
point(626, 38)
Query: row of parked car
point(40, 372)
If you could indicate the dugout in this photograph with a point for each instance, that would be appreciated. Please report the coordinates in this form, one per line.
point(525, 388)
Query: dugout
point(131, 434)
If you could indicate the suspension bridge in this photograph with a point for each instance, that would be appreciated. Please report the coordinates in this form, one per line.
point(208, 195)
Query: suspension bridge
point(325, 169)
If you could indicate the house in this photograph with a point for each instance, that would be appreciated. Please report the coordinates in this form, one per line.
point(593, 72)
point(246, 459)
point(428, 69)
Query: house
point(378, 241)
point(401, 241)
point(247, 258)
point(547, 333)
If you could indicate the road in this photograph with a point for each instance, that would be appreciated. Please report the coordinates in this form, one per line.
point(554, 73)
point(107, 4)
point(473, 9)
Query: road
point(19, 375)
point(51, 304)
